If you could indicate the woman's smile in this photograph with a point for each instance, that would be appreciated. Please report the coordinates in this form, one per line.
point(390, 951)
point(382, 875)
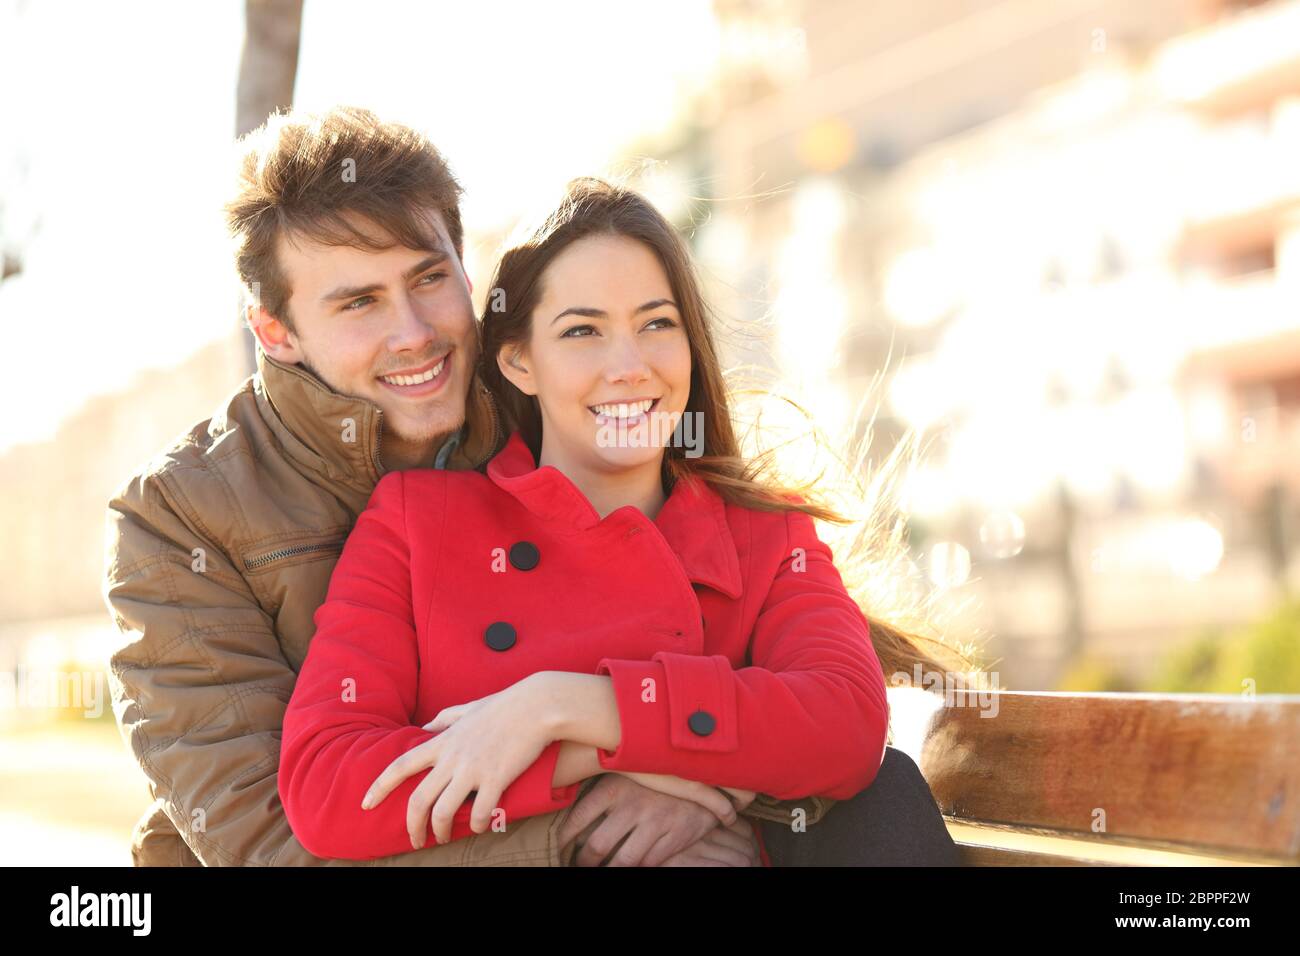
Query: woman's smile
point(627, 412)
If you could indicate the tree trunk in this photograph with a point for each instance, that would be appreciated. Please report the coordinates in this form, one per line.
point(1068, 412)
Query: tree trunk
point(269, 60)
point(267, 67)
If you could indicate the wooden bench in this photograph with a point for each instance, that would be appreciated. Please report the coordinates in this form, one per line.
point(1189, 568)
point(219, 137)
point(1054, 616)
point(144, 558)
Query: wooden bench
point(1055, 779)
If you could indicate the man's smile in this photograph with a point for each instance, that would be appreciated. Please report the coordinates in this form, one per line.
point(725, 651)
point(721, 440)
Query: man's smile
point(417, 382)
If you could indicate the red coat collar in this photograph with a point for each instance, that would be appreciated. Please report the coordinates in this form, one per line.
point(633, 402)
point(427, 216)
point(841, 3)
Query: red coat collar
point(693, 520)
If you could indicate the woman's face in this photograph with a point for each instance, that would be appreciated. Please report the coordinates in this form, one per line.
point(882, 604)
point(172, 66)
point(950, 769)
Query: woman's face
point(608, 357)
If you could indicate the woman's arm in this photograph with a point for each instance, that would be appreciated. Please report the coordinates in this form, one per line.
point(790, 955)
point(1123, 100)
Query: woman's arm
point(575, 764)
point(809, 717)
point(350, 715)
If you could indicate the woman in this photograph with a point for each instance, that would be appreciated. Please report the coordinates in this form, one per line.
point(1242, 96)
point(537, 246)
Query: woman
point(604, 599)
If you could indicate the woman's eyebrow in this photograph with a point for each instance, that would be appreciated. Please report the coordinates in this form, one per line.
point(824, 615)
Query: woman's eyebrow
point(654, 304)
point(590, 313)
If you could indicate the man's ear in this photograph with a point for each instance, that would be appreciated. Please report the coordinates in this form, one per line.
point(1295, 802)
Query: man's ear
point(511, 360)
point(276, 339)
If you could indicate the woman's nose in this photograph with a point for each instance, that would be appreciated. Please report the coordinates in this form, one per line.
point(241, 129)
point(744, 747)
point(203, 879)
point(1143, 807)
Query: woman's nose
point(626, 363)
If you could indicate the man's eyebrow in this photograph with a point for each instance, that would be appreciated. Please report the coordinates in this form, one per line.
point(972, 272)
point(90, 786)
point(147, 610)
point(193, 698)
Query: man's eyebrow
point(602, 314)
point(434, 258)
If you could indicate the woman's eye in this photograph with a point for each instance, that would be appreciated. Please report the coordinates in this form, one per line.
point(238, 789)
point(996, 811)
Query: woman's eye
point(356, 304)
point(578, 331)
point(667, 323)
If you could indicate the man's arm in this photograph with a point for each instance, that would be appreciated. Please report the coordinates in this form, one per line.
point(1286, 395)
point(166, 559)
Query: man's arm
point(200, 685)
point(767, 807)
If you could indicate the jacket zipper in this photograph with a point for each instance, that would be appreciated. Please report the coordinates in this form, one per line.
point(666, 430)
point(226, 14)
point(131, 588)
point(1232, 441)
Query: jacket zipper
point(496, 424)
point(265, 559)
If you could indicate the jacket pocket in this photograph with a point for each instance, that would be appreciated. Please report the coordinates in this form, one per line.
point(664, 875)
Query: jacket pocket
point(261, 560)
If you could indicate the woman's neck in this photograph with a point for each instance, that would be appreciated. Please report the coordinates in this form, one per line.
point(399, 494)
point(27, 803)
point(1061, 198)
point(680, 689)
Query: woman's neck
point(642, 486)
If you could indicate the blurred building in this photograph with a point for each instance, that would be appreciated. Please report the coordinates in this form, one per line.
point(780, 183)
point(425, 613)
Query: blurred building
point(1069, 232)
point(52, 512)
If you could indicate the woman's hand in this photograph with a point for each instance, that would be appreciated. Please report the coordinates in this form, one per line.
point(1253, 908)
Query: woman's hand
point(483, 746)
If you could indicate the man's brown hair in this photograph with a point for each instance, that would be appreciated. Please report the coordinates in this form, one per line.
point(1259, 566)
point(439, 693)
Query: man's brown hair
point(299, 174)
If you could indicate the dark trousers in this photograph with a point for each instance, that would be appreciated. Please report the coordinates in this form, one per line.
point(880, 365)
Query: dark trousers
point(894, 822)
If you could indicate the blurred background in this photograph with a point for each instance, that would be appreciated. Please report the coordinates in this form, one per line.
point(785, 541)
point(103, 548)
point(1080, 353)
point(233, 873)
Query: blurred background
point(1058, 239)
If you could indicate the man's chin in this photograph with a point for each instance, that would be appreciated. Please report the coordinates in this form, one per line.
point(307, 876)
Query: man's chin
point(423, 427)
point(421, 431)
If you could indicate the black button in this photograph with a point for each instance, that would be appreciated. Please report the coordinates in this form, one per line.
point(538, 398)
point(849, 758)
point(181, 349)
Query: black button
point(524, 555)
point(500, 636)
point(701, 723)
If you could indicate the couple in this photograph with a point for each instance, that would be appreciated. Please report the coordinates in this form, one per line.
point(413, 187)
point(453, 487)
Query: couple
point(423, 594)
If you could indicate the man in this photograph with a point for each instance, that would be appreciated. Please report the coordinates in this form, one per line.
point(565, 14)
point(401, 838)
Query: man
point(348, 236)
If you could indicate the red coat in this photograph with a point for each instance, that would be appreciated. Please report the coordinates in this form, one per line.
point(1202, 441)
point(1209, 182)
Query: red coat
point(455, 585)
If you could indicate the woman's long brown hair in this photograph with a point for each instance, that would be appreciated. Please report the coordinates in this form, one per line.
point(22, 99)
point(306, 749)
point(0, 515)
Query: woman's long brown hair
point(592, 207)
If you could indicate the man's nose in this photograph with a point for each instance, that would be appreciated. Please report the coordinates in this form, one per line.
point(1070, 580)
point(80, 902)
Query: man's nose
point(410, 331)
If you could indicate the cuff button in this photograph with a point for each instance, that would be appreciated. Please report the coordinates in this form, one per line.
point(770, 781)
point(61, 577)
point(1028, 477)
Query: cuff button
point(701, 723)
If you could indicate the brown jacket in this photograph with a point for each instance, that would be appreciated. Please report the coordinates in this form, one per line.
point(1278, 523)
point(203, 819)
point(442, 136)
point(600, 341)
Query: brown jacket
point(219, 552)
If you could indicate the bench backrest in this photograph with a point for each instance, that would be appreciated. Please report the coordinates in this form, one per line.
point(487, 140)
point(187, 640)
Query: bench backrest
point(1030, 778)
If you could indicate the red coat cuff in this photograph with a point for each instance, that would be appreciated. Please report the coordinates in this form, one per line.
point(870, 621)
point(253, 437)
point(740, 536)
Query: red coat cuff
point(671, 704)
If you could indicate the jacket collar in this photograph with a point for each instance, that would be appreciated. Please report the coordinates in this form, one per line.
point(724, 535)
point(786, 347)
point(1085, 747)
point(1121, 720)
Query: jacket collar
point(309, 418)
point(693, 520)
point(312, 422)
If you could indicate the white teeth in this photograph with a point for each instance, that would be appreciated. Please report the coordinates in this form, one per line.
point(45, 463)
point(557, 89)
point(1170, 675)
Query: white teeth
point(623, 409)
point(414, 379)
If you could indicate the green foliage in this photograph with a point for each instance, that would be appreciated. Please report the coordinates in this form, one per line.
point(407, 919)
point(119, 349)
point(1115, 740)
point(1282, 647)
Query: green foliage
point(1219, 662)
point(1214, 661)
point(1090, 674)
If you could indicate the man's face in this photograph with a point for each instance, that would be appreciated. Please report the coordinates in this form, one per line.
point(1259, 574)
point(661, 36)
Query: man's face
point(394, 326)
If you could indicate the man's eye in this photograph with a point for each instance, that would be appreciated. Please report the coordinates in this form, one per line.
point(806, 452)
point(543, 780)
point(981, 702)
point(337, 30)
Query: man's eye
point(357, 304)
point(433, 275)
point(572, 333)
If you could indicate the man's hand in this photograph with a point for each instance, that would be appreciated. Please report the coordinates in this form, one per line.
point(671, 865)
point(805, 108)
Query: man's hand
point(656, 826)
point(735, 845)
